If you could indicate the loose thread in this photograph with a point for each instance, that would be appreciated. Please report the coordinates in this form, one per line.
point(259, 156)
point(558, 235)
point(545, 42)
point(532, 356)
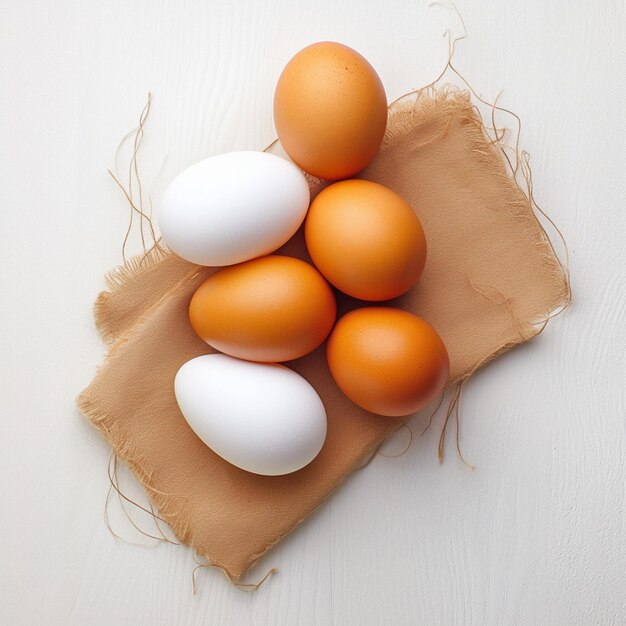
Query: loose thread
point(156, 518)
point(107, 521)
point(458, 429)
point(270, 145)
point(122, 498)
point(134, 181)
point(247, 587)
point(114, 485)
point(133, 167)
point(406, 449)
point(442, 436)
point(432, 415)
point(255, 586)
point(375, 453)
point(193, 578)
point(451, 42)
point(133, 209)
point(493, 106)
point(155, 246)
point(453, 408)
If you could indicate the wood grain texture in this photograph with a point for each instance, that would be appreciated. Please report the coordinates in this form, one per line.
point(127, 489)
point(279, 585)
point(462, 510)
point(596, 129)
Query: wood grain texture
point(534, 536)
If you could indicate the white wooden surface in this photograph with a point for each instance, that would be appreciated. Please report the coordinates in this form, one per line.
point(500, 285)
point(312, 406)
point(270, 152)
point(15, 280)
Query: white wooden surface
point(534, 536)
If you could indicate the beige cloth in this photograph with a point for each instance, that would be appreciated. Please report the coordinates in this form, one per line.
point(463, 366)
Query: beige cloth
point(491, 278)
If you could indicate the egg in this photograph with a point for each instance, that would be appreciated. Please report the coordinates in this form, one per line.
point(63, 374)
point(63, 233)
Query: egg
point(263, 418)
point(233, 207)
point(387, 360)
point(365, 239)
point(330, 110)
point(275, 308)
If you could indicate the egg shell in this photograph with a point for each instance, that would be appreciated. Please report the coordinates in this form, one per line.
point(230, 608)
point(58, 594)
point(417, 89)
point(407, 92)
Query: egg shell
point(263, 418)
point(233, 207)
point(330, 110)
point(365, 239)
point(387, 360)
point(275, 308)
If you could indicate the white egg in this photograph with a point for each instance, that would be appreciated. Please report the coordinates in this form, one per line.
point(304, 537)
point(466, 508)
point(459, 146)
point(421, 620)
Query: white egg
point(233, 207)
point(261, 417)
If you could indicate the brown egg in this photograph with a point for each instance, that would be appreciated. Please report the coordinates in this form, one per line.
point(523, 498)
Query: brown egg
point(330, 110)
point(365, 239)
point(273, 308)
point(386, 360)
